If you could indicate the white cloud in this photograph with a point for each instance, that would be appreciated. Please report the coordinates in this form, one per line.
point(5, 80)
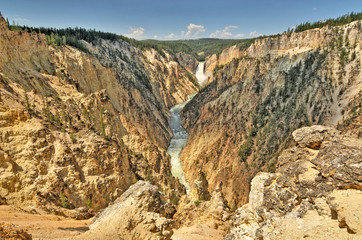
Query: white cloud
point(171, 36)
point(194, 30)
point(254, 34)
point(315, 9)
point(136, 32)
point(226, 33)
point(155, 37)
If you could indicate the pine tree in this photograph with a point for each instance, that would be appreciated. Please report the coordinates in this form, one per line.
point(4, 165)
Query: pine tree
point(52, 39)
point(64, 40)
point(102, 123)
point(27, 104)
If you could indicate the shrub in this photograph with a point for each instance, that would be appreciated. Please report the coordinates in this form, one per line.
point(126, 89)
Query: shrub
point(63, 200)
point(89, 203)
point(246, 149)
point(72, 138)
point(174, 199)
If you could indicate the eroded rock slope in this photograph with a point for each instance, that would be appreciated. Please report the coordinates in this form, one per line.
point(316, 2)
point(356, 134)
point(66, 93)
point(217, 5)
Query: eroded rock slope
point(77, 129)
point(244, 118)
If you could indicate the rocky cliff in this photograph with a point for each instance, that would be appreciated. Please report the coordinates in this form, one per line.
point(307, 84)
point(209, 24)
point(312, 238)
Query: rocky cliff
point(314, 194)
point(241, 121)
point(226, 56)
point(77, 129)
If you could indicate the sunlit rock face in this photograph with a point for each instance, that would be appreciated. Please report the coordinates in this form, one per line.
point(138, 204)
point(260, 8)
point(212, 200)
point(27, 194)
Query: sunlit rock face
point(84, 125)
point(139, 213)
point(314, 194)
point(240, 122)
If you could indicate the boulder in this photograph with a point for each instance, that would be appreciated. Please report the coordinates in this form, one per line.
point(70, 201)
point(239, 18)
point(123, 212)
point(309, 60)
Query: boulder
point(139, 213)
point(314, 194)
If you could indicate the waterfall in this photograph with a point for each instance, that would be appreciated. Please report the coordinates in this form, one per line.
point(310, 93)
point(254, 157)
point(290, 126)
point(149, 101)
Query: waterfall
point(200, 73)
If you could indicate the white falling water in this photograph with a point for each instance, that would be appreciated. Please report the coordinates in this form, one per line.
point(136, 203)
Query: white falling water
point(180, 135)
point(200, 73)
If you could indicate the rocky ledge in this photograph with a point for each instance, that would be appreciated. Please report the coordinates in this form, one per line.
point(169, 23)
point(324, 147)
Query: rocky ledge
point(139, 213)
point(314, 194)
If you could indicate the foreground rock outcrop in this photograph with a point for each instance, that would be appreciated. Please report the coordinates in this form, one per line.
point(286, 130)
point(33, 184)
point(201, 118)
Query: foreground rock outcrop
point(315, 193)
point(139, 214)
point(10, 231)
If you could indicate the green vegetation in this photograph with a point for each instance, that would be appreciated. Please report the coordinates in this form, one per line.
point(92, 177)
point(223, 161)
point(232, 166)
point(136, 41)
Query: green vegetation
point(199, 48)
point(345, 19)
point(172, 47)
point(74, 36)
point(285, 109)
point(89, 203)
point(49, 116)
point(174, 198)
point(70, 36)
point(246, 149)
point(217, 68)
point(63, 200)
point(210, 46)
point(149, 177)
point(103, 128)
point(27, 104)
point(72, 138)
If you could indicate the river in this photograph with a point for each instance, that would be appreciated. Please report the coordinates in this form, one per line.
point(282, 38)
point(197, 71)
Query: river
point(180, 135)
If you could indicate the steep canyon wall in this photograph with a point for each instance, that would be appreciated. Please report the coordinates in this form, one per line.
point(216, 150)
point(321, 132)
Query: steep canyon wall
point(242, 120)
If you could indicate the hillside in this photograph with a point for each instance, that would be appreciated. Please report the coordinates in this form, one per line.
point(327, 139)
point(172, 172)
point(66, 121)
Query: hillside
point(244, 118)
point(92, 123)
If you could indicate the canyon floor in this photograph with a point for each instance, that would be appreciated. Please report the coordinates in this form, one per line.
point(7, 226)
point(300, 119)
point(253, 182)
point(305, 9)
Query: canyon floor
point(43, 226)
point(57, 227)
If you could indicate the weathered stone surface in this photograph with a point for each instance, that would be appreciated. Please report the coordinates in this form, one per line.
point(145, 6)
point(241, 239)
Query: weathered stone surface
point(188, 61)
point(197, 218)
point(139, 213)
point(317, 196)
point(199, 188)
point(347, 206)
point(312, 137)
point(12, 232)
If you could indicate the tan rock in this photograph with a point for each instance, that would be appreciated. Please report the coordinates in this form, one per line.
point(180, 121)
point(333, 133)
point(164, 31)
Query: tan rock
point(10, 231)
point(139, 213)
point(312, 137)
point(297, 202)
point(347, 206)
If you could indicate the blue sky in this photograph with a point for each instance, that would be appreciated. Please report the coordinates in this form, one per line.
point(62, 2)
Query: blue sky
point(176, 19)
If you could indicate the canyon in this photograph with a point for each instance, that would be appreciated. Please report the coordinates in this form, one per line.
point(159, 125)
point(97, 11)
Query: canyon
point(158, 145)
point(242, 120)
